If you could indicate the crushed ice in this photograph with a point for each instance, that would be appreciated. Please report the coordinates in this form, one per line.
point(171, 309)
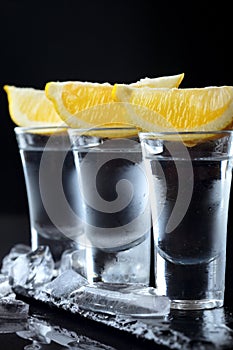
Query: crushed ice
point(41, 332)
point(34, 270)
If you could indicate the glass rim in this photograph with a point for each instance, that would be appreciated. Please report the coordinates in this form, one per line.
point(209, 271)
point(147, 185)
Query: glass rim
point(167, 133)
point(21, 129)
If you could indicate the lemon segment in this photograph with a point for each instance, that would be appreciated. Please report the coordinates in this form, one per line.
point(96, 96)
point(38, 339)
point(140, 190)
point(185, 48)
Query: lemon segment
point(160, 82)
point(197, 109)
point(75, 102)
point(30, 107)
point(85, 104)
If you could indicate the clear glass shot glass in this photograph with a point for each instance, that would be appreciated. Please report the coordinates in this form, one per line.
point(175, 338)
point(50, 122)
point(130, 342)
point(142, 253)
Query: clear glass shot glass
point(115, 206)
point(51, 184)
point(189, 177)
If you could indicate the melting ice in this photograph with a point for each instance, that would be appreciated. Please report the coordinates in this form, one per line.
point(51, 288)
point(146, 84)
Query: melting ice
point(35, 270)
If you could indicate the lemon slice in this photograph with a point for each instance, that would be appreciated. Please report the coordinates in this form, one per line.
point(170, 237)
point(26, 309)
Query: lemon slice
point(197, 109)
point(30, 107)
point(85, 104)
point(169, 81)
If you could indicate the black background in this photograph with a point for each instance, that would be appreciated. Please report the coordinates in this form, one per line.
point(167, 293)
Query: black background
point(117, 41)
point(114, 41)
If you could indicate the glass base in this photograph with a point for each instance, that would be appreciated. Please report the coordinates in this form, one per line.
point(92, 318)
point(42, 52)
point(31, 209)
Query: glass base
point(126, 267)
point(196, 304)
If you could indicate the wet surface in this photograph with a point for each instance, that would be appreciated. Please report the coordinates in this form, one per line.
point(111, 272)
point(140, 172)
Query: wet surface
point(209, 329)
point(49, 327)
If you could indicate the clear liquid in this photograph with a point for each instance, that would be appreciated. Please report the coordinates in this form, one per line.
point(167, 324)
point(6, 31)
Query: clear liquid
point(45, 230)
point(117, 215)
point(191, 258)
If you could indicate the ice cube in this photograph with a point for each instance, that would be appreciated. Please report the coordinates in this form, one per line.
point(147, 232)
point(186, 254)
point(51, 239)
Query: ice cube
point(74, 259)
point(14, 253)
point(66, 260)
point(5, 287)
point(13, 309)
point(12, 326)
point(64, 284)
point(126, 300)
point(36, 331)
point(32, 269)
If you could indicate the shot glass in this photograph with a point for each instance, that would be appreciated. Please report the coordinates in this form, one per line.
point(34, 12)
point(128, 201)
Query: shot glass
point(115, 205)
point(51, 186)
point(189, 177)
